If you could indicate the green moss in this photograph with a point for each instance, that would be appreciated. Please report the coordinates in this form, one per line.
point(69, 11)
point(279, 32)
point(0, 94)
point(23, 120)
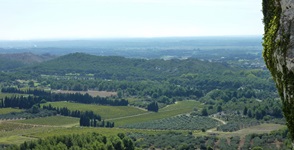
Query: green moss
point(272, 12)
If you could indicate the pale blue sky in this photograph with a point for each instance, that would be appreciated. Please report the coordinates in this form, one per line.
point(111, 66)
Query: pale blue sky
point(62, 19)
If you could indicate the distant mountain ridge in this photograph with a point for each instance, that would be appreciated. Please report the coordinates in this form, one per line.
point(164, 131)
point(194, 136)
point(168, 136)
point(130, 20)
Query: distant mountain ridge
point(121, 68)
point(27, 57)
point(18, 60)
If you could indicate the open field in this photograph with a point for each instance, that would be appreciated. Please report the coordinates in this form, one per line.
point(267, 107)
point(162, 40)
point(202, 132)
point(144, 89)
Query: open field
point(15, 139)
point(90, 92)
point(12, 133)
point(106, 112)
point(181, 107)
point(180, 122)
point(16, 133)
point(132, 99)
point(9, 110)
point(47, 131)
point(104, 131)
point(259, 129)
point(52, 121)
point(3, 95)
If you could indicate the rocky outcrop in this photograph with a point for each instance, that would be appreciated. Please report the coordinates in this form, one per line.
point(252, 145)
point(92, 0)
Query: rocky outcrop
point(279, 51)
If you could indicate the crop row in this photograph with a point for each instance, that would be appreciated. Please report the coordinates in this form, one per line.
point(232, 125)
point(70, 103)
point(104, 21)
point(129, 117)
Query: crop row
point(181, 122)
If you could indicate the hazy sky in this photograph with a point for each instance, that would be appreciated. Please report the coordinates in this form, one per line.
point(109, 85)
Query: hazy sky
point(58, 19)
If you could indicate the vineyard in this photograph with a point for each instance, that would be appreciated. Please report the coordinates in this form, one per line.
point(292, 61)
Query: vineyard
point(51, 121)
point(182, 107)
point(181, 122)
point(105, 112)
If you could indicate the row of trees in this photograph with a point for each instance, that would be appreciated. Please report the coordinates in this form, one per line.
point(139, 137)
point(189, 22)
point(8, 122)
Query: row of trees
point(88, 121)
point(22, 102)
point(79, 142)
point(87, 99)
point(36, 92)
point(48, 96)
point(153, 106)
point(262, 112)
point(87, 118)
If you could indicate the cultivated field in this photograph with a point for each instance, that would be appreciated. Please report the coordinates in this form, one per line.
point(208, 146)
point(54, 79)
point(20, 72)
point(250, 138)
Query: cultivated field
point(259, 129)
point(181, 107)
point(18, 131)
point(181, 122)
point(52, 121)
point(92, 93)
point(9, 110)
point(3, 95)
point(106, 112)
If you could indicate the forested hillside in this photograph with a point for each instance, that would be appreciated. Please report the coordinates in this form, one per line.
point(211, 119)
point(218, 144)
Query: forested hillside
point(17, 60)
point(114, 67)
point(107, 93)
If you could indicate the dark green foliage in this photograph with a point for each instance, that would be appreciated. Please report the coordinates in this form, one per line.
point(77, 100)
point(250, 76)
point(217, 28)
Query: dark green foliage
point(78, 142)
point(87, 118)
point(219, 108)
point(90, 120)
point(153, 107)
point(245, 111)
point(6, 64)
point(20, 102)
point(28, 114)
point(39, 95)
point(161, 80)
point(76, 113)
point(117, 66)
point(36, 92)
point(204, 112)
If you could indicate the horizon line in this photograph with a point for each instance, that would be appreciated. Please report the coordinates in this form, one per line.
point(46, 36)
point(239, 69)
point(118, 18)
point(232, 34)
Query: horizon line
point(121, 38)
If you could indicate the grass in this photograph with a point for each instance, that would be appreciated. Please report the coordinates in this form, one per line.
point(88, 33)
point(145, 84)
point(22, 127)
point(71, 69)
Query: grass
point(104, 131)
point(181, 107)
point(180, 122)
point(132, 99)
point(15, 133)
point(9, 110)
point(52, 121)
point(259, 129)
point(3, 95)
point(265, 128)
point(106, 112)
point(15, 139)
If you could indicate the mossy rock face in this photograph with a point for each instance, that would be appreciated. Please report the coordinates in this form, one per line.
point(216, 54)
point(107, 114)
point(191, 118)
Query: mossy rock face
point(278, 51)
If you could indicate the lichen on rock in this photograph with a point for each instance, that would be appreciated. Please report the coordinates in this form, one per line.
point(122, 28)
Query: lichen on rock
point(278, 51)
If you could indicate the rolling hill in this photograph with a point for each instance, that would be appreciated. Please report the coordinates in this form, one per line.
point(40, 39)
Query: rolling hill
point(18, 60)
point(114, 67)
